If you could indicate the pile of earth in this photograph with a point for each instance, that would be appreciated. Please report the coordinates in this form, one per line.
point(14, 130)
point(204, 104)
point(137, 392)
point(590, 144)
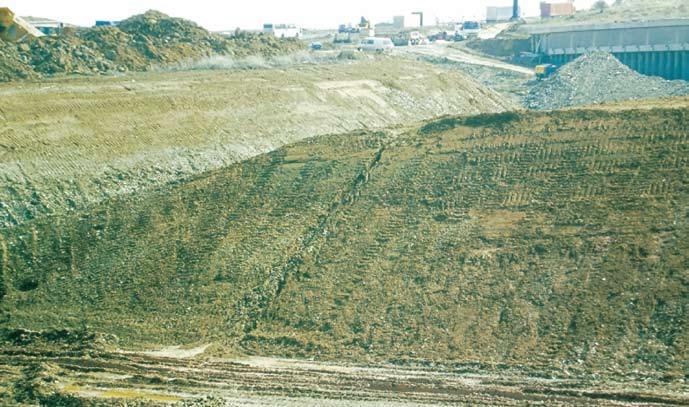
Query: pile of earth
point(599, 77)
point(137, 44)
point(12, 64)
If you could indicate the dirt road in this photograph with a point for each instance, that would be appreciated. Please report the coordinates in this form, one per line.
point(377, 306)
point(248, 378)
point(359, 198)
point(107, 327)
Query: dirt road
point(114, 379)
point(491, 31)
point(463, 55)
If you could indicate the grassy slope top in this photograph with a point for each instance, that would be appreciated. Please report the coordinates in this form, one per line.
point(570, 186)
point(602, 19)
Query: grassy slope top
point(556, 239)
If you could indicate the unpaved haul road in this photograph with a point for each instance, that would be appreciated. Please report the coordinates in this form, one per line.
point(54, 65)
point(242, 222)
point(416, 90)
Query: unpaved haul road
point(144, 379)
point(463, 56)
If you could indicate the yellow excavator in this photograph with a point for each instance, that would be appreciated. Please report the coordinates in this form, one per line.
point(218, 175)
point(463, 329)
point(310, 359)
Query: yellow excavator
point(14, 29)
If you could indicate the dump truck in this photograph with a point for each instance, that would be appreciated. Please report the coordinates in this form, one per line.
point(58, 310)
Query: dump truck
point(470, 29)
point(14, 28)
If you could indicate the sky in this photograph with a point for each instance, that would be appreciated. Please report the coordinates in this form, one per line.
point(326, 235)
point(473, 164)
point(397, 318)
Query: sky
point(229, 14)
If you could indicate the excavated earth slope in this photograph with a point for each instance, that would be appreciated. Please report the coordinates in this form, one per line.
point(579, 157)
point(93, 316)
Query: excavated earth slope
point(68, 143)
point(549, 240)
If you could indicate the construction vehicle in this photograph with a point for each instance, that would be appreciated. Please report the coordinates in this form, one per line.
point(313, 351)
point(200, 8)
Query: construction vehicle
point(365, 28)
point(14, 28)
point(470, 29)
point(545, 70)
point(346, 34)
point(447, 36)
point(401, 40)
point(408, 38)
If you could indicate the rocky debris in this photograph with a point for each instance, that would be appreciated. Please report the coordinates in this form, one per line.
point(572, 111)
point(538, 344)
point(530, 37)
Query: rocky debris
point(13, 65)
point(596, 78)
point(118, 47)
point(66, 54)
point(164, 39)
point(137, 44)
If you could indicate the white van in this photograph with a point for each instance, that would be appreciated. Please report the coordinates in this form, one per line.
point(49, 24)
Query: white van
point(376, 44)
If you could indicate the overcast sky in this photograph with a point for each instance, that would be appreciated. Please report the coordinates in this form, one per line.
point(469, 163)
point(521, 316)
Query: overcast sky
point(229, 14)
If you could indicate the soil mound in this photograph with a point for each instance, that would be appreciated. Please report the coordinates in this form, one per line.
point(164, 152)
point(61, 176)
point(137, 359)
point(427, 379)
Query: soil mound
point(598, 78)
point(12, 64)
point(137, 44)
point(67, 54)
point(165, 39)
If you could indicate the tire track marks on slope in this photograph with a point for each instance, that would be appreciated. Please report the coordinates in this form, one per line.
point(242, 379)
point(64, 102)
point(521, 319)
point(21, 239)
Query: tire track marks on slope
point(253, 307)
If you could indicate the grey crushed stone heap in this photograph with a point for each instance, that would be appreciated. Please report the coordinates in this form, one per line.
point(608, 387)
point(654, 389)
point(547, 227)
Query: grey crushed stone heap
point(596, 78)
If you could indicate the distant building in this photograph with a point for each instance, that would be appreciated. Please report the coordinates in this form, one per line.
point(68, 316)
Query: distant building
point(498, 14)
point(398, 22)
point(557, 9)
point(282, 30)
point(386, 27)
point(413, 21)
point(46, 25)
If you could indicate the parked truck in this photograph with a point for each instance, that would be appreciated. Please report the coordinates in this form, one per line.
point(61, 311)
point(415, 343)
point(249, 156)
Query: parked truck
point(470, 29)
point(408, 38)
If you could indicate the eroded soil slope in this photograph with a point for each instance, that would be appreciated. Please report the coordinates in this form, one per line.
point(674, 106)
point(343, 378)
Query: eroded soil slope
point(68, 143)
point(551, 240)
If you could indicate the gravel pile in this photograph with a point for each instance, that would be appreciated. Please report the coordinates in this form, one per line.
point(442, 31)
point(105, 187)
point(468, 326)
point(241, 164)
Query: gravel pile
point(137, 44)
point(597, 78)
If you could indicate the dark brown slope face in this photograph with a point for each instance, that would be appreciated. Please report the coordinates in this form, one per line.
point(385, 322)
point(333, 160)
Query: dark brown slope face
point(552, 240)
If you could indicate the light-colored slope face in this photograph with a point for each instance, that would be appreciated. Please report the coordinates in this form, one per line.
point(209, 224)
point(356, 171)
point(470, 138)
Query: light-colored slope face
point(67, 143)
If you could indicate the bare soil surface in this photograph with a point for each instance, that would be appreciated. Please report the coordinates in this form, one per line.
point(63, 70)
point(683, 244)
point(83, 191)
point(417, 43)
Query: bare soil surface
point(544, 242)
point(290, 237)
point(70, 142)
